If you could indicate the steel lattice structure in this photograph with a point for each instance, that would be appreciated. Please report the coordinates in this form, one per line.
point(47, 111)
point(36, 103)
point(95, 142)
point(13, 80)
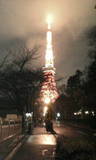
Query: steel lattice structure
point(49, 91)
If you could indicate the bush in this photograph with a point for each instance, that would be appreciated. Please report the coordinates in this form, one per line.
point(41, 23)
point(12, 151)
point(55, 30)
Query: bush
point(75, 149)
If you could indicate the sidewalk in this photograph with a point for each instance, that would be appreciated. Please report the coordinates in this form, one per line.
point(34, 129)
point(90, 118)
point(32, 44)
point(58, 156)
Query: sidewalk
point(39, 146)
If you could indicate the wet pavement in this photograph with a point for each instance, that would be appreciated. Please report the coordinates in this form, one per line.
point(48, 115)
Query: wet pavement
point(41, 145)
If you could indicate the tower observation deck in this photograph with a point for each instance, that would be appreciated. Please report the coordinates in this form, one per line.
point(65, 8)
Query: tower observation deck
point(49, 91)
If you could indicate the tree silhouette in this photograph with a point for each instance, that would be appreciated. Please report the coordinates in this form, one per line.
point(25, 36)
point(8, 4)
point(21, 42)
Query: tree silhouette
point(19, 84)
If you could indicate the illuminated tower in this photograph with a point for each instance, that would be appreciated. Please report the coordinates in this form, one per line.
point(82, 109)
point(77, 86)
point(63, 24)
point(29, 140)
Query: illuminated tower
point(49, 91)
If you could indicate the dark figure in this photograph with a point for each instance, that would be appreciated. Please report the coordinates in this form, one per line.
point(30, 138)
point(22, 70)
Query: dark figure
point(29, 128)
point(49, 125)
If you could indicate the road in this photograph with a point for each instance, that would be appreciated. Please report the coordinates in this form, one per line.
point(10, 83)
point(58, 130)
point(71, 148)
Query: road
point(41, 145)
point(71, 130)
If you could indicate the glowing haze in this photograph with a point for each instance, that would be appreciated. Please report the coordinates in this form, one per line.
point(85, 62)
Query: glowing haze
point(25, 20)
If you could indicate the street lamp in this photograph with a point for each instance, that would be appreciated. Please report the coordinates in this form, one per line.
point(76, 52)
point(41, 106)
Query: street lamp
point(58, 115)
point(47, 100)
point(45, 110)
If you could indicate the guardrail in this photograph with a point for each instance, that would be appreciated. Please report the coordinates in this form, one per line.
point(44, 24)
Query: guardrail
point(10, 129)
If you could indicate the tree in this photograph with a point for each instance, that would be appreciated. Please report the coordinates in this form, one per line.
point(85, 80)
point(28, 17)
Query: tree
point(75, 91)
point(73, 96)
point(20, 84)
point(26, 57)
point(90, 84)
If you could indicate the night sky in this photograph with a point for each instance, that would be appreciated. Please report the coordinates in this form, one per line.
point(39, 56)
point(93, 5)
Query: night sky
point(25, 21)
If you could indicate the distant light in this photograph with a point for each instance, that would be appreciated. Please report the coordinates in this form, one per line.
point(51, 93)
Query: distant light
point(28, 115)
point(58, 114)
point(44, 124)
point(93, 113)
point(79, 112)
point(86, 112)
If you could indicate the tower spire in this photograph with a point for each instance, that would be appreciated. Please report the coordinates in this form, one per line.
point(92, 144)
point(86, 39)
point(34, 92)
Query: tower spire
point(49, 60)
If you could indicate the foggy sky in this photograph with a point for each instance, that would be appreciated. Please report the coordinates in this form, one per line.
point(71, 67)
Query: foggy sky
point(26, 20)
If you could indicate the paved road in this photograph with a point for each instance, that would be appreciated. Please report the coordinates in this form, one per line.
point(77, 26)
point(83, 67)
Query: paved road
point(71, 130)
point(41, 145)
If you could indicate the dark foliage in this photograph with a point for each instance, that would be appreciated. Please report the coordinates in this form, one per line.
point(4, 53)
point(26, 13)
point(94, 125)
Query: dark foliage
point(75, 149)
point(19, 85)
point(80, 91)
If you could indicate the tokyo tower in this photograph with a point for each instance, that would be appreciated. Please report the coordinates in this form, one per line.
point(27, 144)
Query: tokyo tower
point(48, 90)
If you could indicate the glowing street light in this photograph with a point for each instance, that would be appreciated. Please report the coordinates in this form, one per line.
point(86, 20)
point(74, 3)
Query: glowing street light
point(28, 114)
point(45, 110)
point(58, 115)
point(86, 112)
point(47, 100)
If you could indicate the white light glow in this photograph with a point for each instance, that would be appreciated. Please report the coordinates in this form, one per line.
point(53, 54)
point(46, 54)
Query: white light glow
point(45, 110)
point(58, 114)
point(49, 20)
point(47, 100)
point(86, 112)
point(44, 139)
point(49, 38)
point(49, 51)
point(93, 113)
point(28, 115)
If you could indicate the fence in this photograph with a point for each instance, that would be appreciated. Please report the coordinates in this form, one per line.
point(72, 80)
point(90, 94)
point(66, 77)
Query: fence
point(9, 129)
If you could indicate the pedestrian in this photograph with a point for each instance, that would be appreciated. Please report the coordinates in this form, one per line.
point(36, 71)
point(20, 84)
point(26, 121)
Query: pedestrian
point(29, 128)
point(49, 125)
